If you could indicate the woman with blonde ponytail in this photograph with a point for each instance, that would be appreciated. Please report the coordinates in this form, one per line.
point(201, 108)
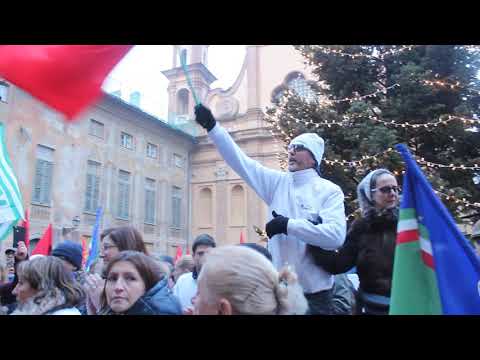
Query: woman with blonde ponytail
point(237, 280)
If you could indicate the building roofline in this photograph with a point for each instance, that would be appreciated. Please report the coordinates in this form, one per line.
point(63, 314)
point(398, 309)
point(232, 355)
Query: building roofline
point(148, 117)
point(172, 73)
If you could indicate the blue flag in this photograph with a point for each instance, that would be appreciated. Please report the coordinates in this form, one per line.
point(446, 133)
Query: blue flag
point(436, 270)
point(95, 244)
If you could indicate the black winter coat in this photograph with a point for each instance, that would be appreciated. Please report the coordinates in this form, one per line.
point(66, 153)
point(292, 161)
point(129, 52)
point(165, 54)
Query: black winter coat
point(370, 246)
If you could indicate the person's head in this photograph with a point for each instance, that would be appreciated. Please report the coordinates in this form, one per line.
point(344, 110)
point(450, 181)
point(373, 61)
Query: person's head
point(10, 252)
point(201, 245)
point(70, 253)
point(240, 281)
point(379, 190)
point(46, 276)
point(119, 239)
point(305, 152)
point(261, 249)
point(129, 275)
point(183, 265)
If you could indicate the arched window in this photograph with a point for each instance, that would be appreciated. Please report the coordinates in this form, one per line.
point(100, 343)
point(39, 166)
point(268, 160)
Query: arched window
point(206, 207)
point(277, 94)
point(297, 83)
point(237, 211)
point(182, 102)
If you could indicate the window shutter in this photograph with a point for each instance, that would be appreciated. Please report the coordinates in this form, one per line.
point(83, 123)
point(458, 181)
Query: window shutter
point(96, 192)
point(127, 200)
point(47, 182)
point(88, 193)
point(37, 188)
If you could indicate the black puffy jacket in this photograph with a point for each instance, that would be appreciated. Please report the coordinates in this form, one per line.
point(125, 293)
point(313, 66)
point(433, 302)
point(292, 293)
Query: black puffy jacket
point(159, 300)
point(370, 246)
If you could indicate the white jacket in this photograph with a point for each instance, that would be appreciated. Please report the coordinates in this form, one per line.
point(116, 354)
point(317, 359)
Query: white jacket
point(301, 196)
point(185, 290)
point(67, 311)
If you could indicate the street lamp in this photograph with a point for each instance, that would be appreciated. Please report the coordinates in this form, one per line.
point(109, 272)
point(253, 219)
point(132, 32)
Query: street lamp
point(76, 222)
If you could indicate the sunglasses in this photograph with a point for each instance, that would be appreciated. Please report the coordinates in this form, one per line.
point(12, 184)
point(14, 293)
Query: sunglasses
point(387, 189)
point(296, 147)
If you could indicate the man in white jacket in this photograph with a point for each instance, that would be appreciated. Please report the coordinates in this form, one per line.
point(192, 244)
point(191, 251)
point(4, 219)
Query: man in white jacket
point(306, 208)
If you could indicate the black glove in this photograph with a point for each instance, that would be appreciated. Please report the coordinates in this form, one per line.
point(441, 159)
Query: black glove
point(204, 117)
point(278, 225)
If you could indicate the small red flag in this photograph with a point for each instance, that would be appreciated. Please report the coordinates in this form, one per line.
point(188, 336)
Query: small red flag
point(26, 224)
point(179, 253)
point(44, 246)
point(84, 252)
point(188, 251)
point(242, 238)
point(67, 78)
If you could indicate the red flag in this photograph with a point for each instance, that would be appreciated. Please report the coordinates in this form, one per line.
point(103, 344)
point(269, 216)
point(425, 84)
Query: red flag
point(242, 238)
point(44, 246)
point(84, 252)
point(179, 253)
point(26, 224)
point(188, 251)
point(66, 77)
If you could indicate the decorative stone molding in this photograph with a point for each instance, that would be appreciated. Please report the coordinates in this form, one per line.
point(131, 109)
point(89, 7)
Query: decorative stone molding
point(221, 172)
point(227, 107)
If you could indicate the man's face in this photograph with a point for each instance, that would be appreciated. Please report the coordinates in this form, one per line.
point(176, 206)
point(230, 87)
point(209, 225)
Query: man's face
point(299, 158)
point(199, 256)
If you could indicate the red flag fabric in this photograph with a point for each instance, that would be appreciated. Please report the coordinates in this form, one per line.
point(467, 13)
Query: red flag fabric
point(179, 253)
point(84, 251)
point(242, 238)
point(188, 251)
point(44, 246)
point(68, 78)
point(26, 224)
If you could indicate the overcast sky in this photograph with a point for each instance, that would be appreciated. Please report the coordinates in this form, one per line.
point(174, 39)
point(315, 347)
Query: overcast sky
point(140, 70)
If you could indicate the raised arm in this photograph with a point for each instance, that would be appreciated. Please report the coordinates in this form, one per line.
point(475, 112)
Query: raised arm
point(262, 179)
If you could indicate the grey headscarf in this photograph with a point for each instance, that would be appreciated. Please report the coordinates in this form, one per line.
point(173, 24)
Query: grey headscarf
point(364, 189)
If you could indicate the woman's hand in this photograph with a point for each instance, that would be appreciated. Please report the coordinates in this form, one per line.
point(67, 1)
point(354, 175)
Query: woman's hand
point(94, 286)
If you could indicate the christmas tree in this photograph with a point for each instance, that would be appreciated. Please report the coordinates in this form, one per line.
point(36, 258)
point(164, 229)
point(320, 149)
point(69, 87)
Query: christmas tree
point(369, 98)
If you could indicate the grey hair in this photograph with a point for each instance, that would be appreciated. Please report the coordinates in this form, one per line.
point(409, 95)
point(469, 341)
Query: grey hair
point(250, 282)
point(364, 189)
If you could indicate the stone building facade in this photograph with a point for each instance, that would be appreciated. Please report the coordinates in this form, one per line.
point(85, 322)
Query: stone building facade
point(133, 165)
point(163, 177)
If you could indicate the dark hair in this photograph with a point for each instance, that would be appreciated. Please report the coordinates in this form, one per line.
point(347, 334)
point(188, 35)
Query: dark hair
point(203, 239)
point(149, 269)
point(262, 250)
point(126, 238)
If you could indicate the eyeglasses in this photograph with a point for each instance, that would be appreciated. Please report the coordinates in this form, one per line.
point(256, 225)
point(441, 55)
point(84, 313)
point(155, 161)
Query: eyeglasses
point(387, 189)
point(108, 246)
point(296, 147)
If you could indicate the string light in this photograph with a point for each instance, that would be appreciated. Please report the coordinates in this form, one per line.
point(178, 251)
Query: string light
point(428, 125)
point(455, 86)
point(381, 55)
point(433, 165)
point(358, 98)
point(457, 200)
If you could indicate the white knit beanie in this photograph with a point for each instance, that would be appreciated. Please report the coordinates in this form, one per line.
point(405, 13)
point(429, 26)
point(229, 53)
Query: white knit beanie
point(312, 142)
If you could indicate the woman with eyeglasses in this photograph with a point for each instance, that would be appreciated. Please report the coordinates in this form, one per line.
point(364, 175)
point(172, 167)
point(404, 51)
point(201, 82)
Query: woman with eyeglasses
point(113, 241)
point(370, 243)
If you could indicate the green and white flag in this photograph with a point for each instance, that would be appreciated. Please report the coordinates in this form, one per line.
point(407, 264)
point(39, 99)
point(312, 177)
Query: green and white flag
point(11, 209)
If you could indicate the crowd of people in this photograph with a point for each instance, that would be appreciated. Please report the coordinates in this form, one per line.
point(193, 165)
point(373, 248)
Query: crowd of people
point(308, 267)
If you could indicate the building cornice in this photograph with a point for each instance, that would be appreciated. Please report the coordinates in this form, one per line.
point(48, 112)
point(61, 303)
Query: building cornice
point(175, 73)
